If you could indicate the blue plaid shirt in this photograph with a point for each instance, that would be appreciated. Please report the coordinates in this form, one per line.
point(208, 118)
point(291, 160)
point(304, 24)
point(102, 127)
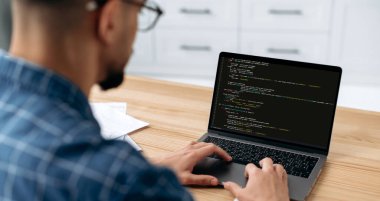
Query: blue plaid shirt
point(51, 147)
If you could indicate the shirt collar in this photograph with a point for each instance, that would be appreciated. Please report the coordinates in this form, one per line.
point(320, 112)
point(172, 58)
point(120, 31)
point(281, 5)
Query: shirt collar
point(34, 78)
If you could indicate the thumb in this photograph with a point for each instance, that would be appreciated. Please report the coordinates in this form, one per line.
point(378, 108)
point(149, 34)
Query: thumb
point(232, 187)
point(203, 180)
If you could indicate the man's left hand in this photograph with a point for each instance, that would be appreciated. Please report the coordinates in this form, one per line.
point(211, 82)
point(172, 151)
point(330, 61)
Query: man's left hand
point(183, 161)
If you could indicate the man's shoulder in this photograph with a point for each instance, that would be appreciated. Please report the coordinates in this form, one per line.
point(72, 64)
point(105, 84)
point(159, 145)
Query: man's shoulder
point(37, 109)
point(64, 146)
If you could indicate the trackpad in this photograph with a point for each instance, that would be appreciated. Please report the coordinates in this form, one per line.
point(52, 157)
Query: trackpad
point(224, 171)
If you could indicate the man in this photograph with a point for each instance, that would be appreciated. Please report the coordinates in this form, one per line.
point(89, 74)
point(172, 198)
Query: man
point(50, 143)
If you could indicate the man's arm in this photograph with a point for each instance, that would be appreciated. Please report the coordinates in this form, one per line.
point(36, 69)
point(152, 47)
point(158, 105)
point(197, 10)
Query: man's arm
point(155, 183)
point(183, 161)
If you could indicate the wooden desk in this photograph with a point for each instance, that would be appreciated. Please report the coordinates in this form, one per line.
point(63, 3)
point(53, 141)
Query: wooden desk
point(179, 113)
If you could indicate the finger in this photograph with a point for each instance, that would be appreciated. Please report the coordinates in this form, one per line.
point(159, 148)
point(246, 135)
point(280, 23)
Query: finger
point(285, 178)
point(202, 180)
point(279, 170)
point(201, 144)
point(250, 170)
point(266, 164)
point(193, 142)
point(232, 187)
point(213, 149)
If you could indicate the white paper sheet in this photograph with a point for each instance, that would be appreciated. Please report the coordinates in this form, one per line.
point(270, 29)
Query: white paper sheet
point(128, 139)
point(115, 123)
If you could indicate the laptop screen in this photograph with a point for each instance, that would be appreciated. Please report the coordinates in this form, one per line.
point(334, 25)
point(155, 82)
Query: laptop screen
point(281, 100)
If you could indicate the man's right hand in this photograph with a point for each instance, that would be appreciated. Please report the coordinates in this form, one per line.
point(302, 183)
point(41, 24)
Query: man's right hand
point(270, 183)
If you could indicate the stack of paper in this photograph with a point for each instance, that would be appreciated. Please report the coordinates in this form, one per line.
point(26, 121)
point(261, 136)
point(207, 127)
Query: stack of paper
point(115, 123)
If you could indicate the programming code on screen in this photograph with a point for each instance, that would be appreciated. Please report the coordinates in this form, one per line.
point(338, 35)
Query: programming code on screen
point(285, 103)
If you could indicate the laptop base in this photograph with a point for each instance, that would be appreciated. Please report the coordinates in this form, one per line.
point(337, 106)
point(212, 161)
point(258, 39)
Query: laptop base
point(299, 188)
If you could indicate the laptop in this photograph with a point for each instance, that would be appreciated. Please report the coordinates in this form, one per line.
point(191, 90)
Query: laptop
point(266, 107)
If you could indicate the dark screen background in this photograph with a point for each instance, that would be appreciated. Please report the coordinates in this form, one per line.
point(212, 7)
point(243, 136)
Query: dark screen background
point(285, 103)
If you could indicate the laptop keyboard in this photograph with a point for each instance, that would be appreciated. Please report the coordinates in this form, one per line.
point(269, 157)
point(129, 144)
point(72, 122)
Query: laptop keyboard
point(242, 153)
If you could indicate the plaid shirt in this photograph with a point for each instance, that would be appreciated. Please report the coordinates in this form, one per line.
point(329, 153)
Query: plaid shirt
point(51, 147)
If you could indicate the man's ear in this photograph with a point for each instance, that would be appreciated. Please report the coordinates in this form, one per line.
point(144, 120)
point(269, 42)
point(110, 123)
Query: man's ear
point(107, 22)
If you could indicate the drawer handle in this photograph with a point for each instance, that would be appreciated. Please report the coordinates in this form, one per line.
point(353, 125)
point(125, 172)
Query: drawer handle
point(195, 48)
point(190, 11)
point(283, 51)
point(285, 12)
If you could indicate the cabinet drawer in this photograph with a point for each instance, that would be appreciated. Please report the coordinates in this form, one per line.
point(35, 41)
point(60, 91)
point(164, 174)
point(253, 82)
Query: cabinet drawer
point(193, 52)
point(143, 54)
point(313, 15)
point(300, 47)
point(143, 51)
point(200, 13)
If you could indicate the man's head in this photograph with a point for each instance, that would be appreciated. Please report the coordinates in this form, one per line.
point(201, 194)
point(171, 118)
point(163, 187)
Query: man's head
point(108, 27)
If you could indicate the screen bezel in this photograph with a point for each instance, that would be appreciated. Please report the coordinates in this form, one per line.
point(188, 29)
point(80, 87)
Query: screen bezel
point(300, 146)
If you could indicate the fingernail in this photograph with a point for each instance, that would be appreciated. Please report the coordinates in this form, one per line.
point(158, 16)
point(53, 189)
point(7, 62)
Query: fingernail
point(214, 182)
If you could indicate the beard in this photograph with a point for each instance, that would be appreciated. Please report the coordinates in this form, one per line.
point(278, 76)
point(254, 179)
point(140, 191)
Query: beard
point(113, 79)
point(115, 74)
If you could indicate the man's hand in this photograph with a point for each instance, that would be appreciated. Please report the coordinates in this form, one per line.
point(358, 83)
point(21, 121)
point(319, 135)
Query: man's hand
point(183, 161)
point(267, 184)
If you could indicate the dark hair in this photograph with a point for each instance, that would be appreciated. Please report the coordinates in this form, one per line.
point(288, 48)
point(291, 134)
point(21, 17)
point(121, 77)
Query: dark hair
point(60, 2)
point(50, 2)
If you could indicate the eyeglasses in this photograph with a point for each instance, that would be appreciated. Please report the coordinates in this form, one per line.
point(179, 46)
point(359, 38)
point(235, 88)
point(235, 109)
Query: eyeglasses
point(148, 16)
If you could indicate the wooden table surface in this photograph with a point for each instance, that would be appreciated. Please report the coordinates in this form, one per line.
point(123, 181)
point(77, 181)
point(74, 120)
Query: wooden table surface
point(179, 113)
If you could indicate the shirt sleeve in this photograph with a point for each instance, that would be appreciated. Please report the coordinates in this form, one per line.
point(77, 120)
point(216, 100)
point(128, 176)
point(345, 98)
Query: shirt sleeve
point(138, 180)
point(155, 183)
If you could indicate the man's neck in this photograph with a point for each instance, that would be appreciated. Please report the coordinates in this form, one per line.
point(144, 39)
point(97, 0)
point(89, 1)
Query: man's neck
point(71, 57)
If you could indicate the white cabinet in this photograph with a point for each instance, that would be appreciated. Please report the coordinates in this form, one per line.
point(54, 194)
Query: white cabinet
point(293, 46)
point(200, 14)
point(191, 34)
point(356, 40)
point(300, 15)
point(143, 50)
point(189, 38)
point(143, 57)
point(192, 52)
point(286, 29)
